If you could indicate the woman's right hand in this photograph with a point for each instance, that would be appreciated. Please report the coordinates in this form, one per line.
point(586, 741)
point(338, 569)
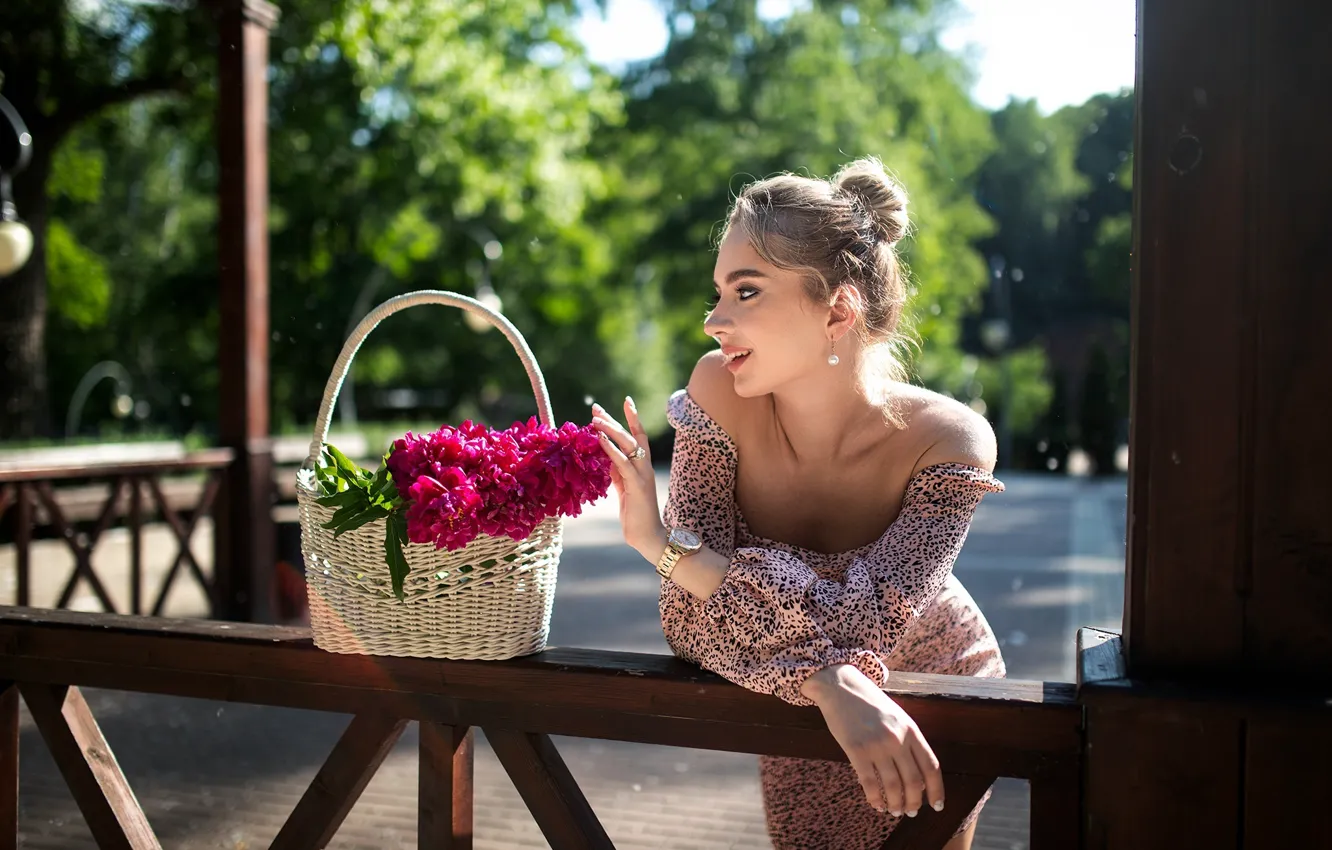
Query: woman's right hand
point(882, 741)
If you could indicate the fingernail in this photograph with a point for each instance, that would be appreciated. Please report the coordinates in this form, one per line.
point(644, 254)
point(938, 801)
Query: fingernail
point(596, 408)
point(912, 813)
point(632, 406)
point(937, 805)
point(895, 813)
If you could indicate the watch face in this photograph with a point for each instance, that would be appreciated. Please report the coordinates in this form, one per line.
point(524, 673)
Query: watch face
point(685, 539)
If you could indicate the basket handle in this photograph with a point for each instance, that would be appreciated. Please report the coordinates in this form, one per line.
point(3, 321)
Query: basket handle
point(412, 299)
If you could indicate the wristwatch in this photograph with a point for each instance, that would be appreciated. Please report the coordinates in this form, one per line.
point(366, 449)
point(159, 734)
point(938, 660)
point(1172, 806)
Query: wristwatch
point(679, 543)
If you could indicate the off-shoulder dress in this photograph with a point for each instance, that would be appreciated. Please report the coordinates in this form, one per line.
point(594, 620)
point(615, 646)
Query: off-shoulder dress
point(783, 613)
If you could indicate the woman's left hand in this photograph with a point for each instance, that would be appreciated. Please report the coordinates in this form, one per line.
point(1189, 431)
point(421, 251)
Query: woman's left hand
point(634, 479)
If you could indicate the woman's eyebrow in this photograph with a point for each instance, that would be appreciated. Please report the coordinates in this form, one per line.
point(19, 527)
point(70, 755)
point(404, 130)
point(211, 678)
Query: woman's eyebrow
point(740, 274)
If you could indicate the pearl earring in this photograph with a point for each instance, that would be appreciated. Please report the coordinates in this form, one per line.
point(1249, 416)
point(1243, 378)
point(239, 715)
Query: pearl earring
point(833, 359)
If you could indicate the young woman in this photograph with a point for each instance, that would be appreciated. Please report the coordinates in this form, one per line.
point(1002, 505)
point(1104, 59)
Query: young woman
point(817, 502)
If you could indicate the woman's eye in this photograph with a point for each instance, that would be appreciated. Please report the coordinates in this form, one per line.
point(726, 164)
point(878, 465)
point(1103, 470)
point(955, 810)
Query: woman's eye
point(745, 292)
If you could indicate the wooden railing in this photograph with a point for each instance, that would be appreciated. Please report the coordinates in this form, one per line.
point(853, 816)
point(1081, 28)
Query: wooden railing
point(79, 502)
point(980, 728)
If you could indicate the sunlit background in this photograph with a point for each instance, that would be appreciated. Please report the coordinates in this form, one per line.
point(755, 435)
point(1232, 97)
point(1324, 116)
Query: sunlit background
point(1059, 52)
point(568, 163)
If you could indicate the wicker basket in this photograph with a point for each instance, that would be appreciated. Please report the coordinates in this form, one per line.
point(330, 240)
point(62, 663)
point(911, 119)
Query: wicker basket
point(489, 600)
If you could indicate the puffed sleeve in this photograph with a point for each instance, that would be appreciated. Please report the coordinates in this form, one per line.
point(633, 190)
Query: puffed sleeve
point(773, 622)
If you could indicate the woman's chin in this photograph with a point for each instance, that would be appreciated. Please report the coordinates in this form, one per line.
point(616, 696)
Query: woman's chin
point(747, 387)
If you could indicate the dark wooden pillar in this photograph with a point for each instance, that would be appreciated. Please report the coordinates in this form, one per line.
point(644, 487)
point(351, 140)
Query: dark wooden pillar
point(245, 543)
point(1231, 544)
point(1228, 627)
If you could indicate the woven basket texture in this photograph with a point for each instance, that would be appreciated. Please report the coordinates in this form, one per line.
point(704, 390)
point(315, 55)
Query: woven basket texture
point(490, 600)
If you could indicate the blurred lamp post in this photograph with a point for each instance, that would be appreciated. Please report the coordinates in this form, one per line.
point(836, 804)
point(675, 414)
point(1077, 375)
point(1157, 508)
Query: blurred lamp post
point(15, 151)
point(123, 404)
point(996, 335)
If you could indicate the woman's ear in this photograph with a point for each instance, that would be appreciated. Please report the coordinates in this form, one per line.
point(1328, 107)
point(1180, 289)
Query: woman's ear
point(847, 306)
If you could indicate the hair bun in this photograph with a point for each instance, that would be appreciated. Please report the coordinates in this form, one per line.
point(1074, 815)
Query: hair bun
point(881, 195)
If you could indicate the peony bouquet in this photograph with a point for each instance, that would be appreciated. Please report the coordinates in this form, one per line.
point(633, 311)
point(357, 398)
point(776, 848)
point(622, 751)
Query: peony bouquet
point(450, 485)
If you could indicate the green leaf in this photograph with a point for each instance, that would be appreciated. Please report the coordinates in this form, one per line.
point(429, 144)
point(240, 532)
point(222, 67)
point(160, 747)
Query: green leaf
point(345, 513)
point(348, 470)
point(343, 499)
point(395, 538)
point(370, 514)
point(386, 492)
point(353, 517)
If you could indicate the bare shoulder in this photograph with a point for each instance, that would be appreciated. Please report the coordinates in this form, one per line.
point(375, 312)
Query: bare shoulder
point(947, 431)
point(713, 388)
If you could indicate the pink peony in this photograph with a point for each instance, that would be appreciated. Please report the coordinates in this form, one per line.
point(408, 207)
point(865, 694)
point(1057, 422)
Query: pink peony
point(469, 480)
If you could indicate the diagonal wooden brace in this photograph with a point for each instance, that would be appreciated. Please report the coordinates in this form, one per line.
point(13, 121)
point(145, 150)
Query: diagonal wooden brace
point(82, 553)
point(9, 765)
point(445, 787)
point(90, 769)
point(931, 830)
point(548, 788)
point(338, 785)
point(183, 532)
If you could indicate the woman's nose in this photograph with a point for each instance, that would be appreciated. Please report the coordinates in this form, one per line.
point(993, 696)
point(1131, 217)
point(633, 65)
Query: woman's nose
point(717, 321)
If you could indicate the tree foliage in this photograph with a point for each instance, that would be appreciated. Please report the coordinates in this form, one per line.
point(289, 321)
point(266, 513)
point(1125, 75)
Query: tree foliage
point(449, 144)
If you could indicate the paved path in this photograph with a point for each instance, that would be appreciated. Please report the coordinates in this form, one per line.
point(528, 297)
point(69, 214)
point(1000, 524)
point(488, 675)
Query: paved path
point(1043, 559)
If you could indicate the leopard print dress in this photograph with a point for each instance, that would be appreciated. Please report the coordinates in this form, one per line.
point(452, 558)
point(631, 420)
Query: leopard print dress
point(783, 613)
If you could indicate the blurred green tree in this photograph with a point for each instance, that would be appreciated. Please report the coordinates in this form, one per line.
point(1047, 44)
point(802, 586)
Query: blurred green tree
point(62, 63)
point(1058, 188)
point(402, 156)
point(736, 97)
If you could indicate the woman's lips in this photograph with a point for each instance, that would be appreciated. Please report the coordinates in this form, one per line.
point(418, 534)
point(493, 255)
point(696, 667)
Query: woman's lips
point(734, 365)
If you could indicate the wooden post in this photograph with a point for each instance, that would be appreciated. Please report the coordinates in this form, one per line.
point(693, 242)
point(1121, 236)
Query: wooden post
point(1229, 578)
point(1230, 562)
point(446, 787)
point(244, 541)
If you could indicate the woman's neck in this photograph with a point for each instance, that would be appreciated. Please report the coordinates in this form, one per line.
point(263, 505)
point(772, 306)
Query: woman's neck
point(822, 423)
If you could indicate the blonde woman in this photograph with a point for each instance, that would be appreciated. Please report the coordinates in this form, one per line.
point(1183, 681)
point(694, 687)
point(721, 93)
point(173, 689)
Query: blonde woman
point(817, 502)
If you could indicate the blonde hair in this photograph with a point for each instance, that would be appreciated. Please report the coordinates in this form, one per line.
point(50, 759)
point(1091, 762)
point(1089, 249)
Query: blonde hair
point(838, 232)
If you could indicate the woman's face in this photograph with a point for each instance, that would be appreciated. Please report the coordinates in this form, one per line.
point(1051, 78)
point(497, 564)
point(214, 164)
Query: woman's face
point(763, 310)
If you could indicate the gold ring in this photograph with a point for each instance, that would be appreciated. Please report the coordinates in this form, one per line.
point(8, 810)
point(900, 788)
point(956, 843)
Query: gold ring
point(638, 453)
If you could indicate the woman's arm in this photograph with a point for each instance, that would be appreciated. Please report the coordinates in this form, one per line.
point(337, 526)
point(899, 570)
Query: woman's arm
point(762, 617)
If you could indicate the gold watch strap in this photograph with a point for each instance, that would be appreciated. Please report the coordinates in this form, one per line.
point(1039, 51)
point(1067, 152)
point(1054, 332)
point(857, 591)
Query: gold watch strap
point(669, 558)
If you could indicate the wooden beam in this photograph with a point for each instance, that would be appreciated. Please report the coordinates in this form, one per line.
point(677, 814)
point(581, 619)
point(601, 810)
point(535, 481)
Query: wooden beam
point(244, 537)
point(201, 460)
point(1056, 811)
point(23, 542)
point(184, 532)
point(1161, 775)
point(548, 788)
point(445, 787)
point(931, 830)
point(90, 769)
point(1191, 369)
point(1287, 782)
point(1230, 552)
point(1240, 763)
point(82, 551)
point(978, 726)
point(1288, 183)
point(356, 757)
point(1100, 657)
point(9, 765)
